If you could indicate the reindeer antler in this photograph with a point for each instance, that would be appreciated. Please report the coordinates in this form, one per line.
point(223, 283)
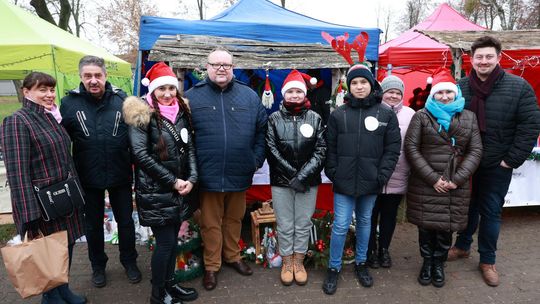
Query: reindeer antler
point(360, 44)
point(342, 47)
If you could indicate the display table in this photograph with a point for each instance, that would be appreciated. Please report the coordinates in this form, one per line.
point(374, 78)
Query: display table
point(524, 188)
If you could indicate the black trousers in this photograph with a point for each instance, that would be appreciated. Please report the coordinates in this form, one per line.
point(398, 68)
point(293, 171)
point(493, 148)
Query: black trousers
point(122, 207)
point(384, 214)
point(164, 256)
point(434, 244)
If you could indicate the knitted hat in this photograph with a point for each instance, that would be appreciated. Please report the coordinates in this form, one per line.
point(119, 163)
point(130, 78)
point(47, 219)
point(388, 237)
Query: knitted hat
point(360, 70)
point(392, 82)
point(158, 75)
point(442, 80)
point(297, 80)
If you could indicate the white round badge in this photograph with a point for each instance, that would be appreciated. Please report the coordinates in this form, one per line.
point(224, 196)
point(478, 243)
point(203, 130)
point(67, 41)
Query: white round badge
point(371, 123)
point(306, 130)
point(184, 135)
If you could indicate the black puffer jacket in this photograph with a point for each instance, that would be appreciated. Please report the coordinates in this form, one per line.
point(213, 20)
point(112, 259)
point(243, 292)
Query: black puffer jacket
point(360, 162)
point(295, 147)
point(99, 135)
point(158, 202)
point(512, 121)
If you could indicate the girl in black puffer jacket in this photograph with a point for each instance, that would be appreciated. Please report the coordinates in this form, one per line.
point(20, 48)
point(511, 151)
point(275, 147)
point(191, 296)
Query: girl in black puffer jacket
point(296, 151)
point(162, 146)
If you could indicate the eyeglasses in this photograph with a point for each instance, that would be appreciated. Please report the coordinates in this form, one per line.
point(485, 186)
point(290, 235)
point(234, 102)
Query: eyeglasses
point(217, 66)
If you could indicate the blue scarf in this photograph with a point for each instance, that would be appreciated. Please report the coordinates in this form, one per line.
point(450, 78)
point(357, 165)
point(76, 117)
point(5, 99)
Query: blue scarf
point(445, 112)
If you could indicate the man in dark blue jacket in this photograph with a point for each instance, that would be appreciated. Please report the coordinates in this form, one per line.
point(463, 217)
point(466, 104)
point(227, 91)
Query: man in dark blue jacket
point(230, 124)
point(509, 123)
point(92, 115)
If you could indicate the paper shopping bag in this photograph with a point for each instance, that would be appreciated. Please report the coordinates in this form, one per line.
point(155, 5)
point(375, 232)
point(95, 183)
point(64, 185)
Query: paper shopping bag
point(38, 265)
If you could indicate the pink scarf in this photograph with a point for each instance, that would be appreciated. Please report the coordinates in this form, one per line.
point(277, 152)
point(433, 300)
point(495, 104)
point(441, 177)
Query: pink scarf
point(55, 112)
point(168, 112)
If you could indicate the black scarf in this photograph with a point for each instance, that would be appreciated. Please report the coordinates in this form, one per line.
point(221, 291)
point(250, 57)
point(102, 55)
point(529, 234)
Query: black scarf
point(480, 92)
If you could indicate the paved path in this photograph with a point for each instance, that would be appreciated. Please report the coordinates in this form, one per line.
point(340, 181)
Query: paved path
point(518, 262)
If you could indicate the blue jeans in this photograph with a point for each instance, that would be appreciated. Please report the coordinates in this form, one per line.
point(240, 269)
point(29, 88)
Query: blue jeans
point(489, 187)
point(344, 206)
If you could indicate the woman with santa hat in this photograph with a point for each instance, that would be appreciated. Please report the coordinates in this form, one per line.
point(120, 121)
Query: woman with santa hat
point(363, 148)
point(443, 147)
point(296, 151)
point(161, 139)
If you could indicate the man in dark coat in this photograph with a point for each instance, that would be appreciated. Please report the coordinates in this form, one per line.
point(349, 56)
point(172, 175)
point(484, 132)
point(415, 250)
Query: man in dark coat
point(229, 121)
point(92, 115)
point(509, 123)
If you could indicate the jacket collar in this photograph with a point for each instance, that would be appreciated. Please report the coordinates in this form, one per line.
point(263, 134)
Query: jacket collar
point(32, 106)
point(109, 89)
point(215, 87)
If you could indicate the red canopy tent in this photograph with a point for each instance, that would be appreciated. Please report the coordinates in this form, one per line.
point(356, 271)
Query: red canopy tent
point(414, 56)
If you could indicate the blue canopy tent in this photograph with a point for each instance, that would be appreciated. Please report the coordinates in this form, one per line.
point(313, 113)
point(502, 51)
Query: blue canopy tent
point(249, 19)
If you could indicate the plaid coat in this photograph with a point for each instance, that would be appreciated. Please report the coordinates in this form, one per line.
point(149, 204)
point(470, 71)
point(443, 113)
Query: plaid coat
point(36, 152)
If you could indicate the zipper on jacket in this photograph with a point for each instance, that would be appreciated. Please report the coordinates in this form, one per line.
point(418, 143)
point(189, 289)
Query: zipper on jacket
point(116, 123)
point(295, 150)
point(224, 143)
point(358, 149)
point(81, 118)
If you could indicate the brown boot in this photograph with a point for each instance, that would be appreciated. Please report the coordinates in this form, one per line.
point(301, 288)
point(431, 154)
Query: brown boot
point(287, 275)
point(489, 274)
point(300, 274)
point(455, 253)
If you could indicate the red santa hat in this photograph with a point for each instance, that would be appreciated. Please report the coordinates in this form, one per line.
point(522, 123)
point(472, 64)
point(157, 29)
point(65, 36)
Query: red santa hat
point(442, 80)
point(158, 75)
point(297, 80)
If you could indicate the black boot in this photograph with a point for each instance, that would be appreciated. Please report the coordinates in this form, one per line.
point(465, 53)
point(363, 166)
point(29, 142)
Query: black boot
point(424, 278)
point(69, 296)
point(373, 260)
point(437, 273)
point(183, 293)
point(384, 258)
point(52, 297)
point(362, 274)
point(331, 281)
point(161, 296)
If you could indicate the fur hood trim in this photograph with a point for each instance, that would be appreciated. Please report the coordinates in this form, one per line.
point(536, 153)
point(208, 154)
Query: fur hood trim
point(137, 112)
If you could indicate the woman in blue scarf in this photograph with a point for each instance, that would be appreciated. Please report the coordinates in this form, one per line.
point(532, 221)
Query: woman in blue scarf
point(443, 147)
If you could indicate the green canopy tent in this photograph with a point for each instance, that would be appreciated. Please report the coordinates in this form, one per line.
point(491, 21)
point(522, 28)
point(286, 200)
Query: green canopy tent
point(29, 43)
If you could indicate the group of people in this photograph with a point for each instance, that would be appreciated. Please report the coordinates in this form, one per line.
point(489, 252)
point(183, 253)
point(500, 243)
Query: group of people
point(206, 144)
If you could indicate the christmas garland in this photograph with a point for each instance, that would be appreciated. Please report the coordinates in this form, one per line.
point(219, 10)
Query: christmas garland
point(319, 249)
point(534, 156)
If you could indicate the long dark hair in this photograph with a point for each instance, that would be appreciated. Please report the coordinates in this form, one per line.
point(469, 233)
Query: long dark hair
point(161, 147)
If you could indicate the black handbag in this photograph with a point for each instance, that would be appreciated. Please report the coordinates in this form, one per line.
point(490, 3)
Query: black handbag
point(60, 199)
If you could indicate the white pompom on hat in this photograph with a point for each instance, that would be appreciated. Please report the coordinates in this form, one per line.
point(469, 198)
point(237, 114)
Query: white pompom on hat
point(297, 80)
point(158, 75)
point(443, 80)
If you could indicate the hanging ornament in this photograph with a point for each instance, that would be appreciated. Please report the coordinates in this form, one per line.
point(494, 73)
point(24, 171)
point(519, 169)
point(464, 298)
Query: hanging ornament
point(340, 94)
point(267, 95)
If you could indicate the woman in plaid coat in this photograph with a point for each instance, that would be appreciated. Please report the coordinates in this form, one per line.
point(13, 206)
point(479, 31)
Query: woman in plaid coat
point(37, 153)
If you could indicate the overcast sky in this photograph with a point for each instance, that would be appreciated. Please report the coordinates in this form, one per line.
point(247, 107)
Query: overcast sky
point(358, 13)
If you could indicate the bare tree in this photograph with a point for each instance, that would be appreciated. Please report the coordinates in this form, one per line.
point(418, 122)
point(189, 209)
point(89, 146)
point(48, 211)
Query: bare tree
point(510, 14)
point(200, 6)
point(415, 10)
point(119, 20)
point(283, 3)
point(531, 16)
point(66, 14)
point(187, 8)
